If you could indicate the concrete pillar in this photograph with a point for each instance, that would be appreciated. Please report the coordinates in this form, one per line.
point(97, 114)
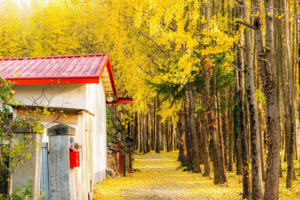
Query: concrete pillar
point(31, 168)
point(62, 177)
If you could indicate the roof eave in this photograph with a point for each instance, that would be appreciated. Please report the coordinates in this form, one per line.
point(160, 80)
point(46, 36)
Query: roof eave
point(121, 100)
point(54, 80)
point(111, 78)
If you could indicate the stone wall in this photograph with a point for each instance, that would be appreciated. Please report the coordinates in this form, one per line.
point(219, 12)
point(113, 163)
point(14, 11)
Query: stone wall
point(113, 160)
point(29, 168)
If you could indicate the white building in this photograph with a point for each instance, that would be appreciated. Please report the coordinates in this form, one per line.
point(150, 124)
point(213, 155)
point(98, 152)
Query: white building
point(78, 85)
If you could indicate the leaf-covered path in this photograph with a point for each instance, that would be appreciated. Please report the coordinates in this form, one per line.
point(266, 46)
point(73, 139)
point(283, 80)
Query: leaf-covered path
point(161, 178)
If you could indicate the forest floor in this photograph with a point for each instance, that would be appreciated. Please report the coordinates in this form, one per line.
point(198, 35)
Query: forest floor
point(161, 177)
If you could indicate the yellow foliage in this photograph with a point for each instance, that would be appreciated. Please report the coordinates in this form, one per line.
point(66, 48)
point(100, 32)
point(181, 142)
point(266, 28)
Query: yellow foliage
point(139, 35)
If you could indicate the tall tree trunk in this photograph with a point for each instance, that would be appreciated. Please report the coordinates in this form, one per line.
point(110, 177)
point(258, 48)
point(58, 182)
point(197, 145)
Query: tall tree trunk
point(131, 128)
point(176, 144)
point(278, 48)
point(145, 133)
point(237, 121)
point(166, 131)
point(225, 131)
point(261, 136)
point(173, 137)
point(136, 128)
point(199, 136)
point(257, 188)
point(291, 105)
point(148, 120)
point(268, 73)
point(163, 136)
point(205, 139)
point(168, 134)
point(230, 130)
point(189, 147)
point(209, 101)
point(158, 129)
point(181, 130)
point(153, 130)
point(221, 135)
point(247, 121)
point(141, 133)
point(239, 162)
point(162, 141)
point(294, 35)
point(196, 158)
point(237, 136)
point(242, 125)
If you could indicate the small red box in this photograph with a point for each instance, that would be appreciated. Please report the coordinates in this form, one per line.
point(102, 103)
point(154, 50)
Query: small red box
point(74, 157)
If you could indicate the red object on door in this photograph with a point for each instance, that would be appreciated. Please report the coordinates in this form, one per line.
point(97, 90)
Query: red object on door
point(74, 157)
point(120, 158)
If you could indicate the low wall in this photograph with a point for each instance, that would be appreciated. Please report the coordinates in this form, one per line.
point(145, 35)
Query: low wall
point(113, 160)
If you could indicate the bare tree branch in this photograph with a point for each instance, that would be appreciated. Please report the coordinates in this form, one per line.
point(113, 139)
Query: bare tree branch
point(246, 24)
point(240, 46)
point(296, 61)
point(237, 68)
point(259, 54)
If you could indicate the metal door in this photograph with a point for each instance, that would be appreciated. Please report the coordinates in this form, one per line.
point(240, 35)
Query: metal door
point(44, 182)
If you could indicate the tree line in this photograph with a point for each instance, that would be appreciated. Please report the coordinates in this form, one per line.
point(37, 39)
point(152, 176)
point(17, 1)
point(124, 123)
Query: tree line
point(217, 80)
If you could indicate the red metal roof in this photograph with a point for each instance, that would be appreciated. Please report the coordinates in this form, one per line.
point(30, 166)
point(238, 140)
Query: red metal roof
point(76, 69)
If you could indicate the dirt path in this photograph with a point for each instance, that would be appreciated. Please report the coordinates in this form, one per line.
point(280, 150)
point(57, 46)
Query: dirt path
point(160, 177)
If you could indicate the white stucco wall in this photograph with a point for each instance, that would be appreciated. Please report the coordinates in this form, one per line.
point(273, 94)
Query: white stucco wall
point(90, 130)
point(70, 96)
point(95, 96)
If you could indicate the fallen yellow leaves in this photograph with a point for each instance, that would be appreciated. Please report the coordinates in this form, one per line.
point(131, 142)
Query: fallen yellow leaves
point(161, 177)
